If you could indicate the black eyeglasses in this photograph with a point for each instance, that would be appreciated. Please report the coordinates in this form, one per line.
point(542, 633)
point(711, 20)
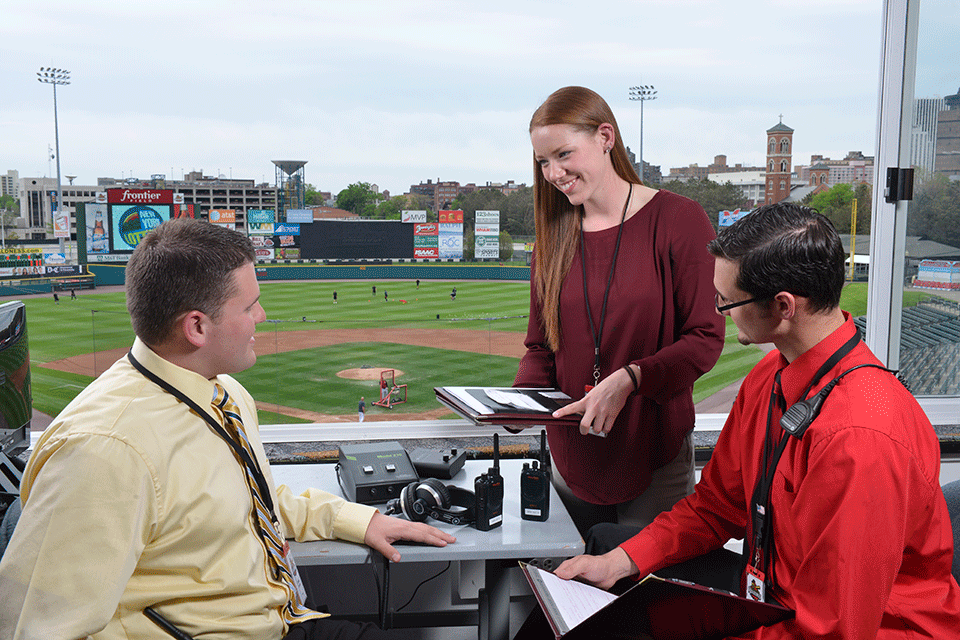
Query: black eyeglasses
point(732, 305)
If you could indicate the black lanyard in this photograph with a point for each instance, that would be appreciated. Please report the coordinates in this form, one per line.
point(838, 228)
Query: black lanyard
point(762, 543)
point(603, 309)
point(245, 457)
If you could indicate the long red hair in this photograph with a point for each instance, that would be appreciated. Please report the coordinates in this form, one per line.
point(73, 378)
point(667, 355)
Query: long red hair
point(557, 221)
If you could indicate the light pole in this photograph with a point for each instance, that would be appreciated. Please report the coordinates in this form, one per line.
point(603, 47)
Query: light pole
point(642, 93)
point(52, 76)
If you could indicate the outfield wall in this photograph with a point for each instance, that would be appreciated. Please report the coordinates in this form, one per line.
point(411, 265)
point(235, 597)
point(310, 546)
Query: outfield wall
point(113, 274)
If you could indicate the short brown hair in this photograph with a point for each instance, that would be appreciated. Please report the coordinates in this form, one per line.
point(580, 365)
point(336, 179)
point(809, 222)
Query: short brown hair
point(182, 265)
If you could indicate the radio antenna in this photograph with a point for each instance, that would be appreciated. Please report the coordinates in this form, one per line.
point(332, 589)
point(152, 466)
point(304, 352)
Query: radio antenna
point(544, 458)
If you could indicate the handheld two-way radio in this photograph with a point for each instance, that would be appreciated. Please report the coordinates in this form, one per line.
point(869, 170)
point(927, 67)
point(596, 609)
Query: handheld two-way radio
point(535, 485)
point(489, 491)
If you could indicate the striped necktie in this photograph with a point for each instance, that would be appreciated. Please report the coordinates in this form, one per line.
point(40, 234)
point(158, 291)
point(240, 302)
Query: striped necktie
point(267, 526)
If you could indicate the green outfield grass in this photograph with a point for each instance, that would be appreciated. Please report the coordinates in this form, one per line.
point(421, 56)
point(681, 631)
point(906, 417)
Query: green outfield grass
point(307, 379)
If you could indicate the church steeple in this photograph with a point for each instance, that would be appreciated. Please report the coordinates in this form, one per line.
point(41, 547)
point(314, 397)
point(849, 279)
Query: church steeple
point(779, 162)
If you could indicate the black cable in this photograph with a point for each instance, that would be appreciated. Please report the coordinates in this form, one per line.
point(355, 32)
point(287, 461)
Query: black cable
point(414, 595)
point(385, 597)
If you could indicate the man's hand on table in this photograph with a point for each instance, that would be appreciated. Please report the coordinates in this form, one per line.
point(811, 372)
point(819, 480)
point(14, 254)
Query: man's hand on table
point(383, 531)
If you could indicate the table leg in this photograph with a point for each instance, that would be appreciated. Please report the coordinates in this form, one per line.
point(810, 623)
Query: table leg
point(496, 601)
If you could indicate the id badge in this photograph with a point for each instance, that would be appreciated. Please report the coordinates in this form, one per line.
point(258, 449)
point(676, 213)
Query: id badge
point(755, 585)
point(292, 565)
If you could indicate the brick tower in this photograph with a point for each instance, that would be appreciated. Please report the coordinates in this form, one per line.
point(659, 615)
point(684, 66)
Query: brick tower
point(779, 162)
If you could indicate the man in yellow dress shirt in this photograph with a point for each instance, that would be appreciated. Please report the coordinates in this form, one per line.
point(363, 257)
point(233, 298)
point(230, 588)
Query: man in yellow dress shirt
point(131, 500)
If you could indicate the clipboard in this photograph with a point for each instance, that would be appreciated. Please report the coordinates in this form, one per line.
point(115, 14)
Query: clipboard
point(653, 608)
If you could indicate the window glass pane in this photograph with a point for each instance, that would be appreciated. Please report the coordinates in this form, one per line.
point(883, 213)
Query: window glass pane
point(930, 333)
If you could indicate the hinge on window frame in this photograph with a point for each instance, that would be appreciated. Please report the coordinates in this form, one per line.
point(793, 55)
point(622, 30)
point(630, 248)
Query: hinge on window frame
point(899, 185)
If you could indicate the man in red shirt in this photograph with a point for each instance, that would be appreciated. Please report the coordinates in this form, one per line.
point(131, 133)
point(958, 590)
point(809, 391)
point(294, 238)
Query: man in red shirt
point(842, 517)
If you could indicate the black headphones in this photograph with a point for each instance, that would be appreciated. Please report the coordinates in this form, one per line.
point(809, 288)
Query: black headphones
point(430, 498)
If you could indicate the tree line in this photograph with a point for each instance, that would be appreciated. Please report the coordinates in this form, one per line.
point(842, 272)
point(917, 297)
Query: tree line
point(934, 213)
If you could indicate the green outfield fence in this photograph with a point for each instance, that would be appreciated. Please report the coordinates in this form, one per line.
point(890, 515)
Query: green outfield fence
point(113, 274)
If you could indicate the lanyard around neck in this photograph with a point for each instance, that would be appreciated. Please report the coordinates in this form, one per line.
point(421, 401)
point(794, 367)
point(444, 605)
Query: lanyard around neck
point(763, 544)
point(597, 335)
point(245, 457)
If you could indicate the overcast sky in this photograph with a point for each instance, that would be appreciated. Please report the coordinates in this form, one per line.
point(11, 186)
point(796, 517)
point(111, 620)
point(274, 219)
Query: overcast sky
point(400, 91)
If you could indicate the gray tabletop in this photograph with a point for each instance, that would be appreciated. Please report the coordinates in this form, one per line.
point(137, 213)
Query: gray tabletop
point(515, 539)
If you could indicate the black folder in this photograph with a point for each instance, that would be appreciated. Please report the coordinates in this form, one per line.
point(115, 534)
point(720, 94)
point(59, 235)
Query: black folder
point(657, 608)
point(476, 405)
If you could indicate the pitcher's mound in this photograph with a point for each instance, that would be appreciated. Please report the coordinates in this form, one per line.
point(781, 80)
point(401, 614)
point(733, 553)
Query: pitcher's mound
point(372, 373)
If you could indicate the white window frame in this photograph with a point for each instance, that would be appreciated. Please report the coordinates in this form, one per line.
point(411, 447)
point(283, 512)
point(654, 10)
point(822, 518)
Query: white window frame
point(898, 66)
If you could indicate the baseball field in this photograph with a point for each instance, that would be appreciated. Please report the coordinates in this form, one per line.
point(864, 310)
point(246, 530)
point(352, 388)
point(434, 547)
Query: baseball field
point(317, 357)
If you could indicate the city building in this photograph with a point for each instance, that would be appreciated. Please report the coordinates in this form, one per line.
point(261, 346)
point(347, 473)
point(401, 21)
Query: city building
point(947, 161)
point(332, 213)
point(923, 133)
point(651, 172)
point(38, 195)
point(9, 183)
point(443, 193)
point(751, 183)
point(853, 169)
point(719, 165)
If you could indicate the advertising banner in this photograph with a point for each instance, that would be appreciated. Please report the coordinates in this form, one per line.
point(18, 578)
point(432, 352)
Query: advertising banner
point(426, 247)
point(426, 229)
point(281, 229)
point(287, 241)
point(486, 234)
point(223, 216)
point(451, 240)
point(727, 218)
point(140, 196)
point(184, 210)
point(264, 253)
point(14, 251)
point(260, 228)
point(487, 217)
point(129, 224)
point(54, 258)
point(299, 215)
point(288, 253)
point(486, 247)
point(413, 216)
point(98, 236)
point(262, 241)
point(61, 225)
point(451, 216)
point(261, 216)
point(108, 257)
point(63, 270)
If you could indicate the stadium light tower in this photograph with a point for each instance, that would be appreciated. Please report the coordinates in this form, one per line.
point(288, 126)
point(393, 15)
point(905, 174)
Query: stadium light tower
point(642, 93)
point(52, 76)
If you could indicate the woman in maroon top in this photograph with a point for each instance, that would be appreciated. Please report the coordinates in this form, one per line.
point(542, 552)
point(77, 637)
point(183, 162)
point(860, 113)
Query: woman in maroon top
point(621, 303)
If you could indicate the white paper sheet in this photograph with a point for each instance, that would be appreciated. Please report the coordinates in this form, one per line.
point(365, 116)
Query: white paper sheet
point(575, 601)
